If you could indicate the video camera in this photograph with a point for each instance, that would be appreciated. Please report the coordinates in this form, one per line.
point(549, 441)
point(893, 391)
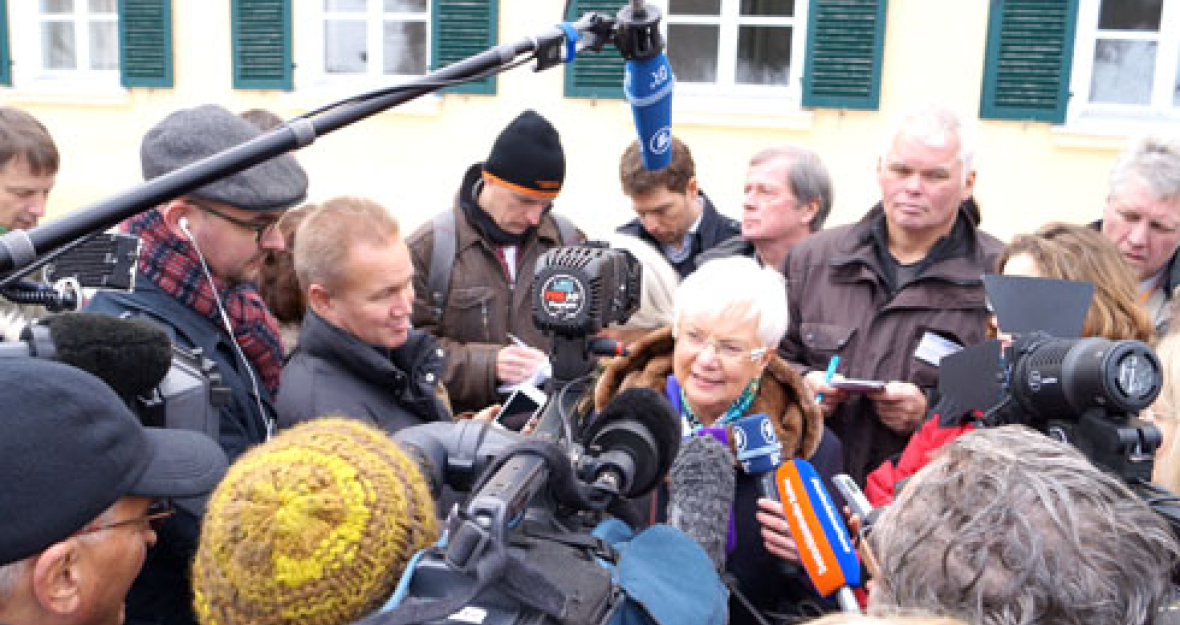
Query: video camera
point(1084, 391)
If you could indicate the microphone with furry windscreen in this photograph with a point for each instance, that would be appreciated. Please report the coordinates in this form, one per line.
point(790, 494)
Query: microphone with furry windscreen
point(700, 494)
point(132, 356)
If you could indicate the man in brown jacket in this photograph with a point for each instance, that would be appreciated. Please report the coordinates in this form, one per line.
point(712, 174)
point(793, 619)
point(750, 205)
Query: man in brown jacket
point(500, 224)
point(895, 292)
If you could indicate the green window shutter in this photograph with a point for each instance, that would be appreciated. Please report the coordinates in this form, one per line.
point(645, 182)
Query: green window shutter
point(1027, 64)
point(262, 44)
point(845, 42)
point(460, 29)
point(595, 74)
point(5, 59)
point(145, 43)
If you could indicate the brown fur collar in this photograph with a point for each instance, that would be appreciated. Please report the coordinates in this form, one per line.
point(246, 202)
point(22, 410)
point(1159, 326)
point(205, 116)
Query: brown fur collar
point(797, 420)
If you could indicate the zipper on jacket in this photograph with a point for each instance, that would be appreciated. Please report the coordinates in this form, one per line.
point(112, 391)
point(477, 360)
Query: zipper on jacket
point(483, 313)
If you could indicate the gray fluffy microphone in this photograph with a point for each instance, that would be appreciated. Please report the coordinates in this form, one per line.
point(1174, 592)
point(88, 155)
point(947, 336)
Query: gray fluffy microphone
point(701, 490)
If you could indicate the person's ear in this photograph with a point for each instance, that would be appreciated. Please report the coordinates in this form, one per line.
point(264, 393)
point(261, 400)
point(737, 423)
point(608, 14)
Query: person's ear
point(177, 216)
point(319, 299)
point(808, 212)
point(692, 188)
point(969, 185)
point(57, 577)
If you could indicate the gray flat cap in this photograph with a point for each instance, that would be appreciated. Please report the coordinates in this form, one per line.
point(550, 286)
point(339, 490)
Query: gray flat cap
point(189, 135)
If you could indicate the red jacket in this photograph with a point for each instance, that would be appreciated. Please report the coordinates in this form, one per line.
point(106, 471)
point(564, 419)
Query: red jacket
point(881, 484)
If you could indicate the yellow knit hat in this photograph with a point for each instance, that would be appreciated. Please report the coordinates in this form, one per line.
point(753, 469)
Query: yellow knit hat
point(314, 527)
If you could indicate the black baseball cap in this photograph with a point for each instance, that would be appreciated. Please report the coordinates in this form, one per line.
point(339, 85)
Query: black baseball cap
point(70, 448)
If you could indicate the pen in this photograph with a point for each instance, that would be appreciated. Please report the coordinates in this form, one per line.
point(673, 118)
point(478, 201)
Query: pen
point(516, 340)
point(832, 364)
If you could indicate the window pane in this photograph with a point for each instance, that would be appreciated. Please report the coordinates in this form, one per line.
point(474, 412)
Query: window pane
point(405, 6)
point(344, 5)
point(1123, 71)
point(695, 58)
point(1130, 14)
point(57, 41)
point(405, 47)
point(102, 6)
point(764, 55)
point(694, 7)
point(776, 8)
point(346, 49)
point(57, 6)
point(104, 43)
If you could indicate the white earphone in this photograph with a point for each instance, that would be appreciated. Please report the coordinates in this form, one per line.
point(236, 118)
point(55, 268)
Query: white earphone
point(183, 223)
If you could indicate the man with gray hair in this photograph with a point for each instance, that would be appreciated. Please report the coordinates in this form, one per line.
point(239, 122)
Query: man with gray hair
point(887, 297)
point(788, 195)
point(1009, 526)
point(1142, 219)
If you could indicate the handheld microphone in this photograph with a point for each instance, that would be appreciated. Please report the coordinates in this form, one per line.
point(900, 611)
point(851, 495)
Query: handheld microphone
point(758, 451)
point(824, 545)
point(647, 82)
point(131, 355)
point(700, 494)
point(635, 438)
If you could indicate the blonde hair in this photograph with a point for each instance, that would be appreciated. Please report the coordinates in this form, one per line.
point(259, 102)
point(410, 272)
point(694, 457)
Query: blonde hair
point(1167, 463)
point(324, 239)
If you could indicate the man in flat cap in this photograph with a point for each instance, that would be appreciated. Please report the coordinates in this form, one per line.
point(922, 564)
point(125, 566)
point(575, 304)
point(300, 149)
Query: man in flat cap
point(84, 484)
point(199, 260)
point(473, 265)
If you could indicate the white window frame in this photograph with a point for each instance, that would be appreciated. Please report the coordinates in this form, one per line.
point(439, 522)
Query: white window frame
point(1082, 112)
point(28, 69)
point(310, 72)
point(752, 98)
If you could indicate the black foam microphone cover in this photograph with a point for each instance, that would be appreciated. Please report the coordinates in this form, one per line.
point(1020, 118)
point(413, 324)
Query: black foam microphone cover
point(131, 355)
point(652, 412)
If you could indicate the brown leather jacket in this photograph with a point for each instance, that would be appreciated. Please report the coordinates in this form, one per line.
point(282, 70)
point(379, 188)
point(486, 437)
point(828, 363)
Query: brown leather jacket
point(840, 304)
point(482, 306)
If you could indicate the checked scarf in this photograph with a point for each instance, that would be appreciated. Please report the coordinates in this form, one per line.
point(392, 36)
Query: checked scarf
point(172, 264)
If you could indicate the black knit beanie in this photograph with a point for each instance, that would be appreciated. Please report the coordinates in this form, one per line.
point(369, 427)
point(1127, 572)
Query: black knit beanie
point(527, 156)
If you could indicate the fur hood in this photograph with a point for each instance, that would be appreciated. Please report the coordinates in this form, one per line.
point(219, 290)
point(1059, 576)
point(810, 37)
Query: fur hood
point(797, 420)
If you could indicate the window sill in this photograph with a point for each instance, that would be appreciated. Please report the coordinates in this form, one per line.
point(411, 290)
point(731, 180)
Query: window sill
point(65, 91)
point(740, 112)
point(1094, 130)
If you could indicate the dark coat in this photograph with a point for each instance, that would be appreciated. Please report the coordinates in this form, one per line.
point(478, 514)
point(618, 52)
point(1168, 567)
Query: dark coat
point(483, 307)
point(715, 228)
point(840, 304)
point(161, 593)
point(332, 371)
point(763, 579)
point(733, 246)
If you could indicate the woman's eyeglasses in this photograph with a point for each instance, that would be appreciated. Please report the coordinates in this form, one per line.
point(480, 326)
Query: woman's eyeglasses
point(728, 351)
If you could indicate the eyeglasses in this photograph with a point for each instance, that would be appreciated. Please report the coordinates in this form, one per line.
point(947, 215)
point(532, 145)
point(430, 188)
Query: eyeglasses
point(259, 229)
point(728, 351)
point(157, 512)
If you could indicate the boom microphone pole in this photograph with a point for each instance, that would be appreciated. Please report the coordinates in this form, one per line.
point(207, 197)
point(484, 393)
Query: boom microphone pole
point(20, 248)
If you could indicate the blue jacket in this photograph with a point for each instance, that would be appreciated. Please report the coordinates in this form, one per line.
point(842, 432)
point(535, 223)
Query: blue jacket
point(162, 593)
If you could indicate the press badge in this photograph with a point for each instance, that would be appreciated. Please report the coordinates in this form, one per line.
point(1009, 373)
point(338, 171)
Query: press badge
point(934, 347)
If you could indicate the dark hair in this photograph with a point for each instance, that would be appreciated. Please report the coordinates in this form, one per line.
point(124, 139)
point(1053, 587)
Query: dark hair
point(638, 180)
point(22, 136)
point(276, 278)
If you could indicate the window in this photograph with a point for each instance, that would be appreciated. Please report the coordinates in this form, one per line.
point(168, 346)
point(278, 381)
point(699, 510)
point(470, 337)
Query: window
point(749, 47)
point(346, 40)
point(74, 40)
point(1127, 60)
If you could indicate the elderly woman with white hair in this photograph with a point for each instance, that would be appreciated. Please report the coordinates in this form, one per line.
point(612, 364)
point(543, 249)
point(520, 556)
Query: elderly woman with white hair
point(716, 364)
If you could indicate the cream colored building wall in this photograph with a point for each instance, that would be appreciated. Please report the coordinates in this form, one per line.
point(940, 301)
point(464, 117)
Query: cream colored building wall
point(411, 158)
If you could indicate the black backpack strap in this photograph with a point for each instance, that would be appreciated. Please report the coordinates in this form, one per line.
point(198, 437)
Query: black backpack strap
point(442, 261)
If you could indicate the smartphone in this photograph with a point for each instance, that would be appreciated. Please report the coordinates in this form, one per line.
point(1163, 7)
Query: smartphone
point(525, 402)
point(853, 496)
point(858, 386)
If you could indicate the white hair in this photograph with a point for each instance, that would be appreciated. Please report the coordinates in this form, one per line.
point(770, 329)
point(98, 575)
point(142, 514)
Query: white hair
point(936, 123)
point(736, 284)
point(10, 577)
point(657, 291)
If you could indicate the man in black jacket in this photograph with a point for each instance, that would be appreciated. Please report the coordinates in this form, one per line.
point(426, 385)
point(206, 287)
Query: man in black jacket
point(675, 216)
point(357, 353)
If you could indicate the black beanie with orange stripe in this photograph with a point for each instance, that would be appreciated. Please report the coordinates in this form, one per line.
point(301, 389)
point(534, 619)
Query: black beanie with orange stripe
point(527, 156)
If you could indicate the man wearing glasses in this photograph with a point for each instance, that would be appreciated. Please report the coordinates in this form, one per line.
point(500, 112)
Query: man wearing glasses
point(200, 256)
point(85, 484)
